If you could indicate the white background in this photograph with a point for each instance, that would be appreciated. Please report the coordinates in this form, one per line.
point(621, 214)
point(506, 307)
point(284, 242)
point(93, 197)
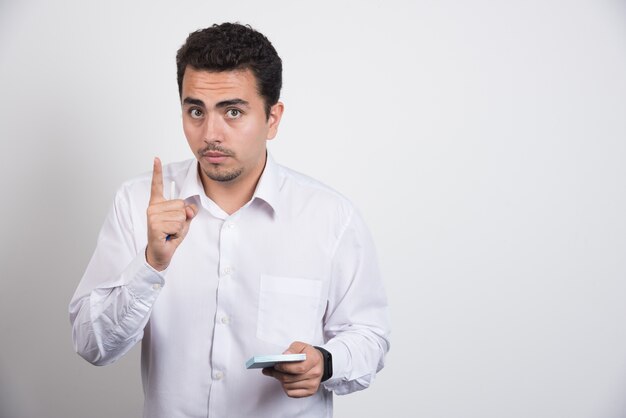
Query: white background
point(484, 142)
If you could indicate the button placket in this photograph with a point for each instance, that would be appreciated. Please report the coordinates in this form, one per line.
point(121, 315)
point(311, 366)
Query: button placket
point(227, 239)
point(223, 337)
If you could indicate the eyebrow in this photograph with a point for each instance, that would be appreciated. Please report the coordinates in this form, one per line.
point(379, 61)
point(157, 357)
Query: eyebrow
point(232, 102)
point(190, 101)
point(219, 105)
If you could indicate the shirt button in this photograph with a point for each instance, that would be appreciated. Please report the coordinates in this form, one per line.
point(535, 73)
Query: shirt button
point(219, 375)
point(227, 270)
point(231, 225)
point(156, 286)
point(225, 320)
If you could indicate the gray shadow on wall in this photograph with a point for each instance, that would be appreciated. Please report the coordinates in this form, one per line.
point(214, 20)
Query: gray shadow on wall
point(56, 180)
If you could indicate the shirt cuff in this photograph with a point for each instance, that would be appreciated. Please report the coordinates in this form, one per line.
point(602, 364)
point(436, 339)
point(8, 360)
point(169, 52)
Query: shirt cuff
point(141, 279)
point(341, 362)
point(345, 378)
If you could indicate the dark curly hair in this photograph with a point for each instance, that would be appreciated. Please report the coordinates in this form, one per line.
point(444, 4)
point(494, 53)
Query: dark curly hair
point(232, 46)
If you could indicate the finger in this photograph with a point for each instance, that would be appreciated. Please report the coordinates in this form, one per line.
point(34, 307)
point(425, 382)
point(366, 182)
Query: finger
point(287, 378)
point(307, 384)
point(170, 228)
point(156, 190)
point(167, 206)
point(171, 216)
point(298, 393)
point(300, 367)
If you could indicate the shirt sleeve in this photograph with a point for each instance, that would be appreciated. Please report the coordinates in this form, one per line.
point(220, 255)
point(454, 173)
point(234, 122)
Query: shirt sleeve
point(113, 301)
point(356, 324)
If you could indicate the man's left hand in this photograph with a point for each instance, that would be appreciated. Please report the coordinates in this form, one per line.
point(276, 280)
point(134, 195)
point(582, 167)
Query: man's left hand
point(299, 379)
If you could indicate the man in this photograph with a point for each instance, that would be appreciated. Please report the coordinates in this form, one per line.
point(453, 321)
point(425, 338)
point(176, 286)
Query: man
point(235, 256)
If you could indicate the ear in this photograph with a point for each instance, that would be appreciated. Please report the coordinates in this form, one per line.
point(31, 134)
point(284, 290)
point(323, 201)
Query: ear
point(276, 112)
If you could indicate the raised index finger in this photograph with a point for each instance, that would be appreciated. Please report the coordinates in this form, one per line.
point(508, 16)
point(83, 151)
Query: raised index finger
point(156, 191)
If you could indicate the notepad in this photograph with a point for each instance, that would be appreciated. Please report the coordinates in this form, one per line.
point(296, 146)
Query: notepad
point(259, 362)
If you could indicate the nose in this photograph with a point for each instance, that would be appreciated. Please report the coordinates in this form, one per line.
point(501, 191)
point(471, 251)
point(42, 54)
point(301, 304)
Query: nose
point(213, 131)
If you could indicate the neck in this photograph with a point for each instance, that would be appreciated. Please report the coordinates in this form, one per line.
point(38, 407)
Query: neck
point(232, 195)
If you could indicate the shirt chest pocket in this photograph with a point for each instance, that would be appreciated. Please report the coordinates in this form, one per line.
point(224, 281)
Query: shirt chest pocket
point(288, 309)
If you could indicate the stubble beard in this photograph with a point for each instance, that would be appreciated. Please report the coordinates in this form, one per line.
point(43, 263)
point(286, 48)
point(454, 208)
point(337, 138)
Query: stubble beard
point(223, 175)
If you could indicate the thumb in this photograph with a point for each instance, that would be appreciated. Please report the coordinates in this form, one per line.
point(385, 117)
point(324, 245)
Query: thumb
point(295, 348)
point(191, 211)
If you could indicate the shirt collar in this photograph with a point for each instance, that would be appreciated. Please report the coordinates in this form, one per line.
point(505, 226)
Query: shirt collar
point(270, 183)
point(267, 188)
point(192, 186)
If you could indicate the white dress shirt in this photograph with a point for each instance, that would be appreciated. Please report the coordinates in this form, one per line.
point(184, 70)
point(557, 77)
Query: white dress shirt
point(296, 263)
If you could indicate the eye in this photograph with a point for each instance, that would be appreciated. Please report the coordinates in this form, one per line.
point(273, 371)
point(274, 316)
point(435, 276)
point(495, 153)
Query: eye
point(233, 113)
point(195, 113)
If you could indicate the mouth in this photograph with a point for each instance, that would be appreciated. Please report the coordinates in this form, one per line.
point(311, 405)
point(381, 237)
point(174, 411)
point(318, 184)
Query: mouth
point(214, 157)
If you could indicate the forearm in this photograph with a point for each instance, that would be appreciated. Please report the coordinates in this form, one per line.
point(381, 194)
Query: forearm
point(109, 320)
point(358, 354)
point(357, 324)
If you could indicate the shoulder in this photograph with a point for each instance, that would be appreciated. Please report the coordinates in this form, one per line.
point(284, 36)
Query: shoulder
point(304, 190)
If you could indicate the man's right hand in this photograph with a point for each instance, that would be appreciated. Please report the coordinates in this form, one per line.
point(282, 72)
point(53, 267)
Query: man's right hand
point(168, 222)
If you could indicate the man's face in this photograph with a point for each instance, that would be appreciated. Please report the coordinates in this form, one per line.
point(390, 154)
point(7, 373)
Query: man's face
point(225, 123)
